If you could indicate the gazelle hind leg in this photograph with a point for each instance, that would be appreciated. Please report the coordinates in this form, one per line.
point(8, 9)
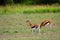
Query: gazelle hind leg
point(50, 26)
point(38, 29)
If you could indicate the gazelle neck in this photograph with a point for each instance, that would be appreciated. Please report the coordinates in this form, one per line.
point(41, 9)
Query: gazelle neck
point(30, 23)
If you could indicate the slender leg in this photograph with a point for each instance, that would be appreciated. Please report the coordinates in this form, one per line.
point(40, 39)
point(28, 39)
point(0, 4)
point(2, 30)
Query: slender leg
point(38, 29)
point(50, 25)
point(33, 30)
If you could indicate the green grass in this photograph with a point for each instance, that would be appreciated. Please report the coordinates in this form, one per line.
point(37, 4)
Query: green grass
point(14, 26)
point(28, 9)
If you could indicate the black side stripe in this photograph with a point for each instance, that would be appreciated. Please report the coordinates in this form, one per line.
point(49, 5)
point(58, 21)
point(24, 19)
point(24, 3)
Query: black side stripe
point(45, 23)
point(33, 27)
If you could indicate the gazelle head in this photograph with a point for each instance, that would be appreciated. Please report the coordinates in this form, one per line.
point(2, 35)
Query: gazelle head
point(28, 20)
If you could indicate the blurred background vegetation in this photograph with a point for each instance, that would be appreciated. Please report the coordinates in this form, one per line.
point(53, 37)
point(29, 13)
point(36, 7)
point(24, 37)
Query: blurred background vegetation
point(29, 2)
point(29, 6)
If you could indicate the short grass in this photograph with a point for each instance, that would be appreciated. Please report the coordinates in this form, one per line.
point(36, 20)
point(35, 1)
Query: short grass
point(14, 26)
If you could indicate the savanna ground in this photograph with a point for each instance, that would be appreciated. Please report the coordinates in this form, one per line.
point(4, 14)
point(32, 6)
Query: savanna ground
point(14, 26)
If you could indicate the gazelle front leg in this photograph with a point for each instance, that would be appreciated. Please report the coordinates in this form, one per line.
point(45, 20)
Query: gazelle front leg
point(33, 30)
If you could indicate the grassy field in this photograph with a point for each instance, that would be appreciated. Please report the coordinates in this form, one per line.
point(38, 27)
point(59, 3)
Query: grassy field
point(14, 26)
